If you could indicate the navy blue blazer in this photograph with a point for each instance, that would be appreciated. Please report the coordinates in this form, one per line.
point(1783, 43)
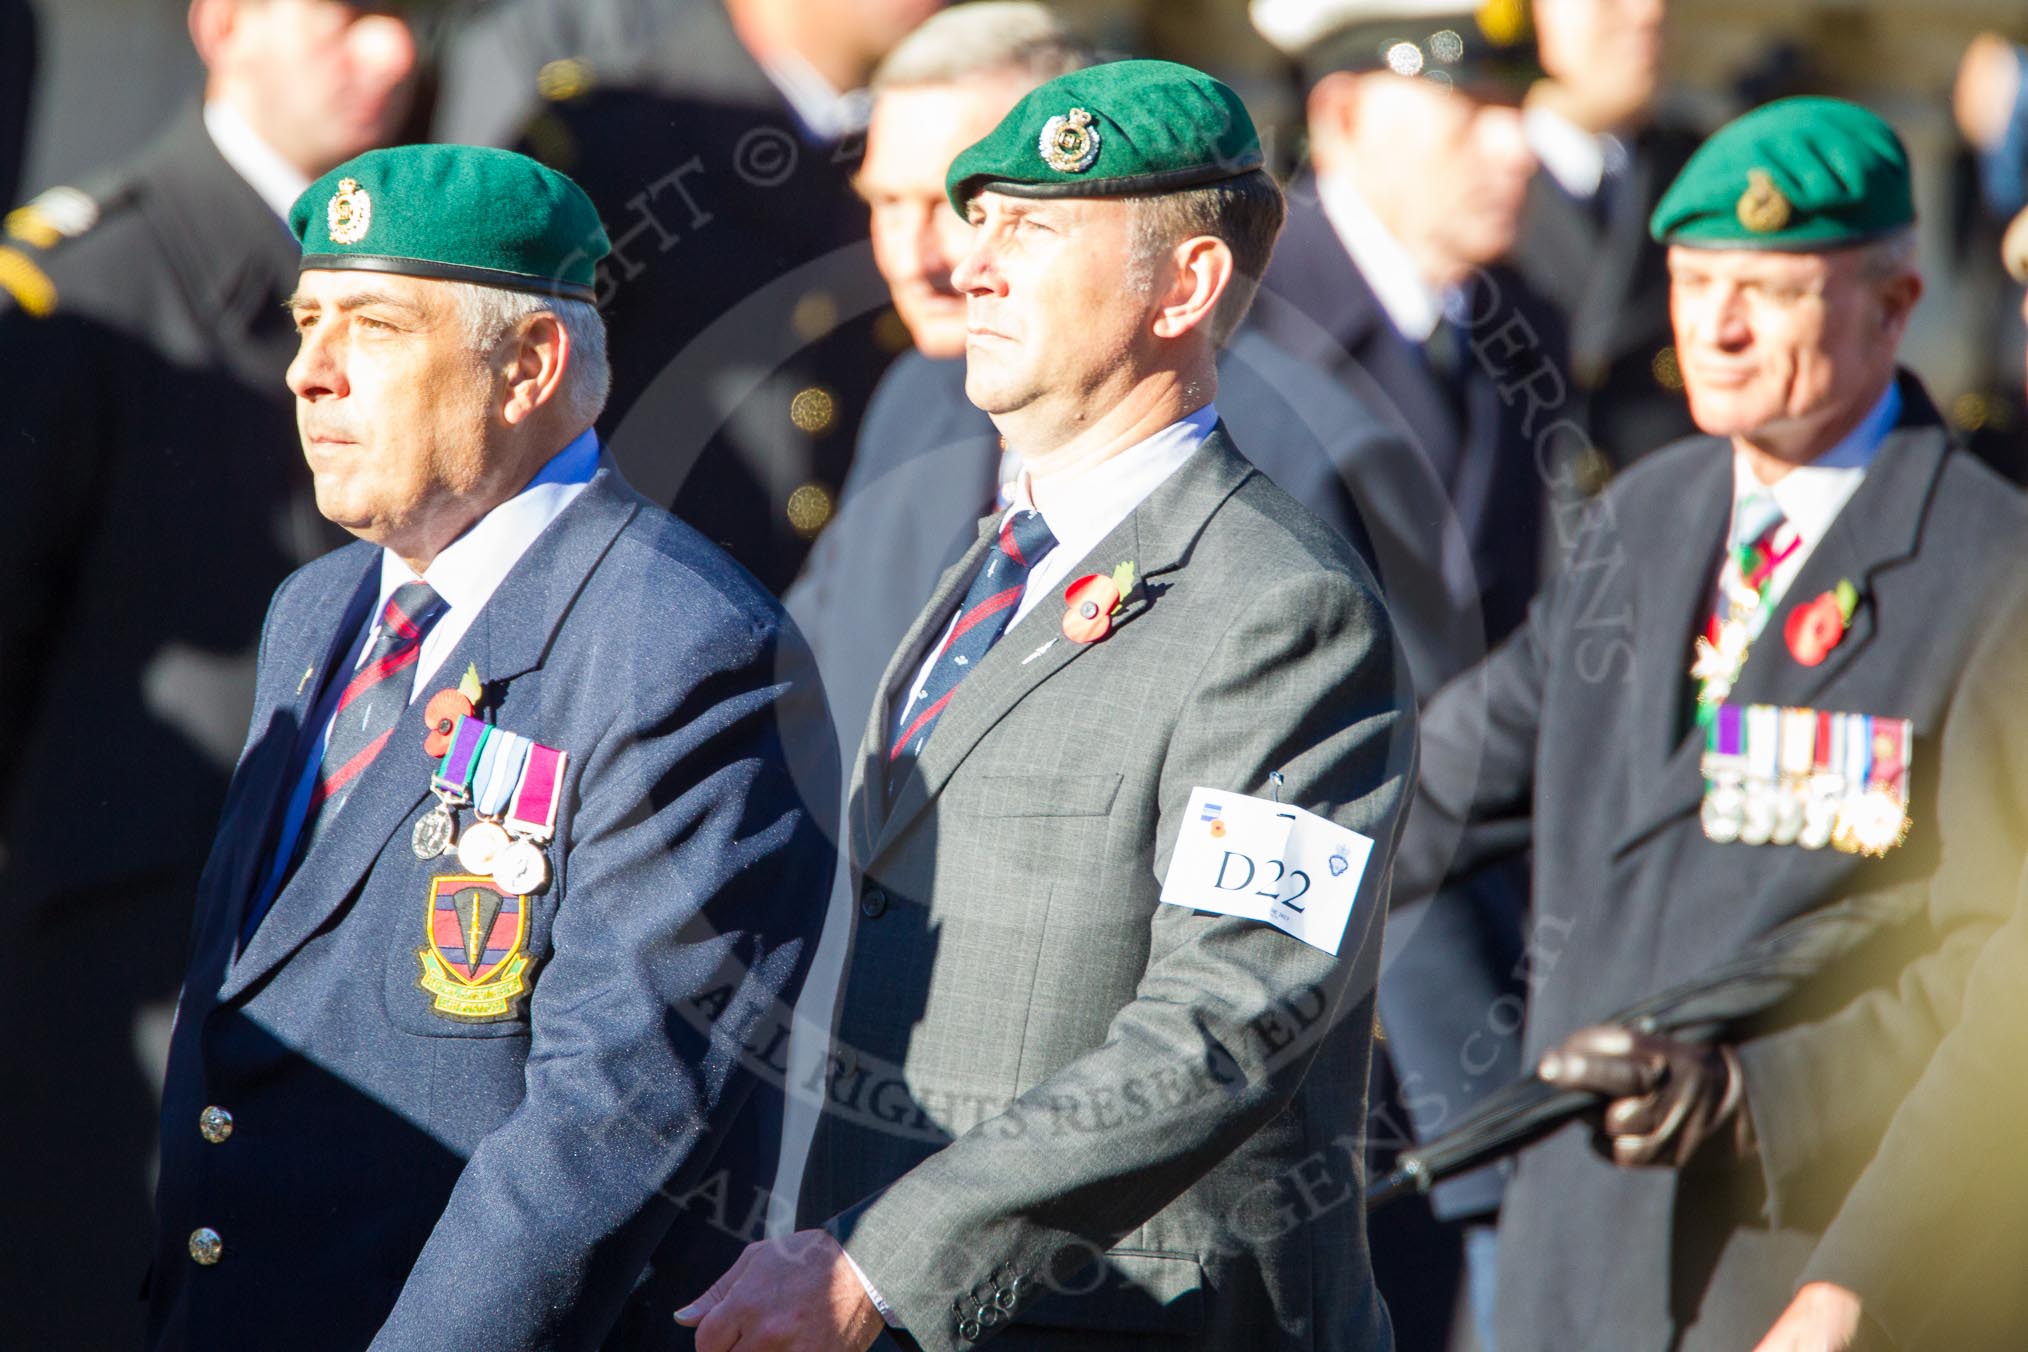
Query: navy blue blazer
point(566, 1173)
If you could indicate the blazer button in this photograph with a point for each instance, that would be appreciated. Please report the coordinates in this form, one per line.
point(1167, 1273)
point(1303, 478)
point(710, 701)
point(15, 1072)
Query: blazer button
point(214, 1124)
point(873, 903)
point(968, 1329)
point(990, 1316)
point(848, 1063)
point(1005, 1298)
point(205, 1246)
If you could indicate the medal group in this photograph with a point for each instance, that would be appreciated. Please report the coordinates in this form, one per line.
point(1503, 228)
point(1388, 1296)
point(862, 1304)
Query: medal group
point(512, 784)
point(1808, 777)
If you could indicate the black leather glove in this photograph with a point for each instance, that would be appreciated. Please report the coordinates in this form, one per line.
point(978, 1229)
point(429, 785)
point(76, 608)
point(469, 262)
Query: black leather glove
point(1669, 1099)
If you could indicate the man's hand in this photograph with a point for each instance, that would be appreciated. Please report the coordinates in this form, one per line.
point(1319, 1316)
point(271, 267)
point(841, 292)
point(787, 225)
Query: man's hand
point(796, 1294)
point(1822, 1318)
point(1668, 1097)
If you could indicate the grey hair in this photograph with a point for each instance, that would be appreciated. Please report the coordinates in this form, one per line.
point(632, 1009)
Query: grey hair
point(1890, 256)
point(984, 37)
point(488, 312)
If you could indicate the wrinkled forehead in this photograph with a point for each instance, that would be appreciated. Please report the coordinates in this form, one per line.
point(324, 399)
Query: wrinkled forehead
point(1766, 266)
point(358, 288)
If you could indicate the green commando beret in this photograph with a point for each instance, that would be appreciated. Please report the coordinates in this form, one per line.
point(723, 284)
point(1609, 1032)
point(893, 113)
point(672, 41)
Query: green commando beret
point(1802, 175)
point(458, 213)
point(1109, 131)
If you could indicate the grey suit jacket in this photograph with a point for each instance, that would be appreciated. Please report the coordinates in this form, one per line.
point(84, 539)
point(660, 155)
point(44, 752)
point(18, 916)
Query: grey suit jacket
point(1059, 1112)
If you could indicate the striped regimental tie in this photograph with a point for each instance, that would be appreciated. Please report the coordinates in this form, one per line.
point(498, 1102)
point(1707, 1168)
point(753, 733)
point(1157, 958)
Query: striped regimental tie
point(989, 605)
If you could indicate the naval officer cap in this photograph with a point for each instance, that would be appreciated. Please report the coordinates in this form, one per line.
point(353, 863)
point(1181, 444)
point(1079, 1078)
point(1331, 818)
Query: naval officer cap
point(1486, 50)
point(1799, 175)
point(454, 213)
point(1112, 130)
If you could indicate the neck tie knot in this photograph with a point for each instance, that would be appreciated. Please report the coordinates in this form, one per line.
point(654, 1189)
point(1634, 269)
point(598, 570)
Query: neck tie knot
point(410, 611)
point(1025, 537)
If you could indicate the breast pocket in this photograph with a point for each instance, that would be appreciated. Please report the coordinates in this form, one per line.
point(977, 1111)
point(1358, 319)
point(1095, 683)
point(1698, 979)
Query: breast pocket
point(466, 962)
point(1037, 795)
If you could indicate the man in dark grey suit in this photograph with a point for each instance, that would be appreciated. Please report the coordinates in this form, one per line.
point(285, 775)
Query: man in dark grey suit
point(1720, 716)
point(1062, 1112)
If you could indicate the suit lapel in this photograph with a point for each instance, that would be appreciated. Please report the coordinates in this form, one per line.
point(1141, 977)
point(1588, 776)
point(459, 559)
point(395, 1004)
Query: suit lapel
point(510, 636)
point(1156, 536)
point(1880, 526)
point(1676, 567)
point(869, 779)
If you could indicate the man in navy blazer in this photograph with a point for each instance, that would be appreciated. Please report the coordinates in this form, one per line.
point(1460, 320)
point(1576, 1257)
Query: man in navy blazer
point(515, 880)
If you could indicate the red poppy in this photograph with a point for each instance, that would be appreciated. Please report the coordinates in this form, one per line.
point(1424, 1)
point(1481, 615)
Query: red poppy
point(1814, 629)
point(1091, 599)
point(441, 714)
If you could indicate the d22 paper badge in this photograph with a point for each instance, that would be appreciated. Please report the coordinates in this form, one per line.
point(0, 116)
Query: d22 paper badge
point(1272, 862)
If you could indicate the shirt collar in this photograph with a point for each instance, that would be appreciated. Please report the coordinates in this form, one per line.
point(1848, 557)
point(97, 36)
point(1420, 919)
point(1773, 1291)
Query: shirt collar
point(274, 180)
point(1577, 159)
point(471, 568)
point(1085, 505)
point(826, 115)
point(1812, 495)
point(1412, 305)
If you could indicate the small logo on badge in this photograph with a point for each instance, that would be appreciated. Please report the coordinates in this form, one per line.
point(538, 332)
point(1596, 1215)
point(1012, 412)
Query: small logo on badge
point(1762, 207)
point(1070, 142)
point(473, 962)
point(349, 213)
point(1340, 861)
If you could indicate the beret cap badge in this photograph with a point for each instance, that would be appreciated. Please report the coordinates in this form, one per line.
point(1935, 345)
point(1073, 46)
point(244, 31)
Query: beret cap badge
point(349, 213)
point(1763, 208)
point(1069, 142)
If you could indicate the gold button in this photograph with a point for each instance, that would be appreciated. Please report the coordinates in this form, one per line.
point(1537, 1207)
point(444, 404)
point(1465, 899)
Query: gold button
point(205, 1246)
point(890, 334)
point(1971, 412)
point(815, 315)
point(562, 81)
point(809, 509)
point(1667, 370)
point(214, 1124)
point(813, 410)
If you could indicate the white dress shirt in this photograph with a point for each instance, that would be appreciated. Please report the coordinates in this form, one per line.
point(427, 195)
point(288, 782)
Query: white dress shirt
point(1577, 159)
point(1812, 495)
point(469, 569)
point(276, 181)
point(1081, 508)
point(465, 575)
point(1412, 305)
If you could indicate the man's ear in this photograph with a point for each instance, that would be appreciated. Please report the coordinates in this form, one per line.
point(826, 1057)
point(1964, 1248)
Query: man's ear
point(533, 361)
point(1332, 114)
point(211, 24)
point(1202, 270)
point(1898, 297)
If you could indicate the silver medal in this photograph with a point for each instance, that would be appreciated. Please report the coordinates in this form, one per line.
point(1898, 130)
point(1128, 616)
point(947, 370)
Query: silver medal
point(479, 848)
point(432, 834)
point(521, 868)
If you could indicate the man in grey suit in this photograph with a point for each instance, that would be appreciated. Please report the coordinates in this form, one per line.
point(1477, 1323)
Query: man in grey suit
point(1063, 1113)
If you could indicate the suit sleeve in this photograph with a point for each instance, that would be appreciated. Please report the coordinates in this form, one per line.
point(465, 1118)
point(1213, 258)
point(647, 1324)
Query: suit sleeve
point(1475, 786)
point(1303, 681)
point(696, 876)
point(1821, 1092)
point(1949, 1171)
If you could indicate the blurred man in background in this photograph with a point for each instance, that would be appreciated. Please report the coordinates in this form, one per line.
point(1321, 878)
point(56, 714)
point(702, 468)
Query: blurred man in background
point(142, 330)
point(1606, 157)
point(1389, 278)
point(745, 309)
